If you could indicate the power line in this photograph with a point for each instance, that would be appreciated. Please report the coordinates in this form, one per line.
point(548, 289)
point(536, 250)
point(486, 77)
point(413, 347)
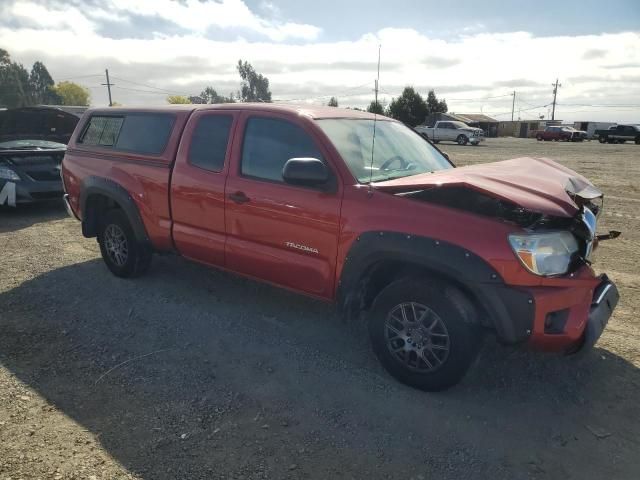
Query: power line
point(151, 92)
point(171, 92)
point(601, 105)
point(80, 76)
point(343, 95)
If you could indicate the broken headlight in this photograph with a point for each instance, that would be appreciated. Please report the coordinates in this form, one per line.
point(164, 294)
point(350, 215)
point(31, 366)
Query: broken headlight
point(545, 253)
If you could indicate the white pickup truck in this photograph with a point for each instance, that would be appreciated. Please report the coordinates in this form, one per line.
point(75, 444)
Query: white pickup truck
point(458, 132)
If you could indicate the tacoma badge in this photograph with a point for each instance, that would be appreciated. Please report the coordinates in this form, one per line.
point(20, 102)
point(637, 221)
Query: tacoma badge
point(301, 247)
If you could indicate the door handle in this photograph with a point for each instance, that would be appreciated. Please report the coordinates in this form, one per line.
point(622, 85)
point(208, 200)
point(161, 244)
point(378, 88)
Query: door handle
point(239, 197)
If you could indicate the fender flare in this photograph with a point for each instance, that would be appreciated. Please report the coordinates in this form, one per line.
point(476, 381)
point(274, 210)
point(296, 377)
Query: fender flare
point(117, 193)
point(510, 311)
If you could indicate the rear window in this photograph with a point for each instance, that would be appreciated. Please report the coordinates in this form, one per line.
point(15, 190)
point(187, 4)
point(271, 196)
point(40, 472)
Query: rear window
point(146, 133)
point(102, 131)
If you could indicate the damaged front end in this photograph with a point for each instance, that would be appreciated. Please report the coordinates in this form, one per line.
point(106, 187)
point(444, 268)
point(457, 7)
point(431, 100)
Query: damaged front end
point(552, 244)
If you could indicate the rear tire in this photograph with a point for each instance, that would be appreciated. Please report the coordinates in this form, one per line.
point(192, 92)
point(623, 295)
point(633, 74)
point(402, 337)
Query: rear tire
point(121, 251)
point(539, 138)
point(602, 139)
point(423, 333)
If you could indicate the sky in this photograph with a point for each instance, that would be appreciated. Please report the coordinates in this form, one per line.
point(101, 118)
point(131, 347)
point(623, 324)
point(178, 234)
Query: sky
point(473, 54)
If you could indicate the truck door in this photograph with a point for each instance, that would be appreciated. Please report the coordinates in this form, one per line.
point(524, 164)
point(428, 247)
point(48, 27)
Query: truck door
point(281, 233)
point(447, 132)
point(197, 186)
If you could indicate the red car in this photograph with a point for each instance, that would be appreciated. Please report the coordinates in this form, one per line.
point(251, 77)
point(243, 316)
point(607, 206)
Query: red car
point(302, 198)
point(560, 133)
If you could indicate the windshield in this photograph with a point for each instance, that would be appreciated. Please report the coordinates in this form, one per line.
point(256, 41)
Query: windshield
point(28, 144)
point(399, 151)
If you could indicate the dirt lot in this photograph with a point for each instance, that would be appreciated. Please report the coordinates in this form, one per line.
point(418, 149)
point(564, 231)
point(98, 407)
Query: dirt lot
point(193, 373)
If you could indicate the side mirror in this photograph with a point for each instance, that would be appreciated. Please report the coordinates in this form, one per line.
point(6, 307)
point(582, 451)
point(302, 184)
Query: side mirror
point(445, 155)
point(305, 171)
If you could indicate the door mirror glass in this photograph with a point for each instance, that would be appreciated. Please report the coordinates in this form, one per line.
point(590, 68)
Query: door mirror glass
point(305, 171)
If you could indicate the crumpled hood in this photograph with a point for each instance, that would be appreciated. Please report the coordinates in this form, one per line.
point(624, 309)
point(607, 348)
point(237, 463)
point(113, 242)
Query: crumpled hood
point(536, 184)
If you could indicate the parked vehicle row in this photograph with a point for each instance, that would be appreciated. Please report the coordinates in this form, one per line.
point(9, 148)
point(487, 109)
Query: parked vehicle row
point(561, 133)
point(450, 131)
point(619, 134)
point(303, 198)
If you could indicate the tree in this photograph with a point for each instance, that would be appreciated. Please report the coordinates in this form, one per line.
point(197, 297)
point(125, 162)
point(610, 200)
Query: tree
point(333, 102)
point(209, 95)
point(434, 105)
point(409, 108)
point(14, 83)
point(72, 94)
point(375, 107)
point(5, 58)
point(41, 85)
point(178, 99)
point(254, 86)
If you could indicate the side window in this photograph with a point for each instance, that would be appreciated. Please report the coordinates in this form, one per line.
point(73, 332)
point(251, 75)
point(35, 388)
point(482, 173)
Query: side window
point(269, 143)
point(209, 142)
point(145, 133)
point(102, 130)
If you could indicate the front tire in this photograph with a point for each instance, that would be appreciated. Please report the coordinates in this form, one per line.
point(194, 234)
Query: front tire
point(462, 139)
point(120, 249)
point(423, 333)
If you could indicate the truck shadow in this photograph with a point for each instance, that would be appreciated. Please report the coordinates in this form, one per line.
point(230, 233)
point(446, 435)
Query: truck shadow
point(23, 216)
point(189, 372)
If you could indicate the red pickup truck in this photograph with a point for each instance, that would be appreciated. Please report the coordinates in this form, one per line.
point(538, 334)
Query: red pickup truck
point(353, 209)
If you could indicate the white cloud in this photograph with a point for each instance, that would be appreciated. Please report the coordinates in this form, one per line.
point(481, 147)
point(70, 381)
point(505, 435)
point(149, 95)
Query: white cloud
point(471, 66)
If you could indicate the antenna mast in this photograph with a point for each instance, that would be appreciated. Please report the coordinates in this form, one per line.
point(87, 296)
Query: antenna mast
point(375, 117)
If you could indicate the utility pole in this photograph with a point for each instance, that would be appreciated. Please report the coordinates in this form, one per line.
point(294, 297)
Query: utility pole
point(555, 93)
point(513, 105)
point(109, 85)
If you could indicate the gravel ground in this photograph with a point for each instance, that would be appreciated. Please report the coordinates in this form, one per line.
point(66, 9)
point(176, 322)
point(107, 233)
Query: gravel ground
point(193, 373)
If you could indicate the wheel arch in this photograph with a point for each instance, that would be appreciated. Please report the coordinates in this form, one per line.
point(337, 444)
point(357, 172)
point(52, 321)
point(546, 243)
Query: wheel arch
point(98, 195)
point(378, 258)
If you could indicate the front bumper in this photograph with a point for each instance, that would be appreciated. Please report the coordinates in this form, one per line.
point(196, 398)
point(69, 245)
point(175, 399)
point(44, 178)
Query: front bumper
point(572, 319)
point(605, 300)
point(67, 205)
